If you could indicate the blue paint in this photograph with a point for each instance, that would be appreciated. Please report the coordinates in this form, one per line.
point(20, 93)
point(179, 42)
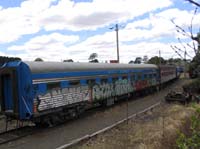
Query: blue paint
point(86, 73)
point(8, 94)
point(27, 92)
point(98, 80)
point(83, 82)
point(129, 78)
point(64, 84)
point(109, 80)
point(42, 88)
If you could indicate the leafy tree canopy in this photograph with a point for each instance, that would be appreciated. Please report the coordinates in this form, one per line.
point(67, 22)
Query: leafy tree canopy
point(138, 60)
point(68, 60)
point(156, 60)
point(4, 59)
point(94, 61)
point(39, 60)
point(93, 56)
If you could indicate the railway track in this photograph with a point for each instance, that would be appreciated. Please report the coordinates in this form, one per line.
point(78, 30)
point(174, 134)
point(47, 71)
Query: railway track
point(89, 136)
point(14, 134)
point(88, 126)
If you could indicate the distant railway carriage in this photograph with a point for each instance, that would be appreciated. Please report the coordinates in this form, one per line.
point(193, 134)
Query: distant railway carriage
point(167, 73)
point(41, 91)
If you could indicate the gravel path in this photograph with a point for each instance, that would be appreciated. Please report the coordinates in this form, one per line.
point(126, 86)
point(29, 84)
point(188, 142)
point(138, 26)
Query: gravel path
point(54, 137)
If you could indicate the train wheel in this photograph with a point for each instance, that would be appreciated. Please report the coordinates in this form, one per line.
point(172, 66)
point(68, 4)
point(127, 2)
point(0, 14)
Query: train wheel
point(42, 124)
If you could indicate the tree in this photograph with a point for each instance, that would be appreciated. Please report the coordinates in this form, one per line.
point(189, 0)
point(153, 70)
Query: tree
point(94, 61)
point(176, 61)
point(4, 59)
point(131, 62)
point(93, 58)
point(195, 64)
point(156, 60)
point(188, 33)
point(138, 60)
point(39, 60)
point(68, 60)
point(194, 2)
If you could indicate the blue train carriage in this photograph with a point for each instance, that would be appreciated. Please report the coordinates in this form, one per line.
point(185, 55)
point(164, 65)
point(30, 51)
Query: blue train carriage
point(40, 91)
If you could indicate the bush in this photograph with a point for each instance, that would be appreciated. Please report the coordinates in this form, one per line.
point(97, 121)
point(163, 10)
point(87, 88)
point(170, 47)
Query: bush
point(193, 87)
point(191, 141)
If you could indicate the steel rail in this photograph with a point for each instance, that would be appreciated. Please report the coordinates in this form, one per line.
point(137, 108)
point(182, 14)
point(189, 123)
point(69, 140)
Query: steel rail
point(14, 134)
point(88, 136)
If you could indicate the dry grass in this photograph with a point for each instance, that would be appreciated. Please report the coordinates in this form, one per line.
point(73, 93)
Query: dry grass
point(157, 129)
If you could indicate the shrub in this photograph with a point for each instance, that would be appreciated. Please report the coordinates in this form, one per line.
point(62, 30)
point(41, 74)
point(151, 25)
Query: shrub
point(191, 141)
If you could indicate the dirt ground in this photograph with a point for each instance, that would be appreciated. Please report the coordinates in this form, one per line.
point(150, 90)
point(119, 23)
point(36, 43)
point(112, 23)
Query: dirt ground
point(156, 129)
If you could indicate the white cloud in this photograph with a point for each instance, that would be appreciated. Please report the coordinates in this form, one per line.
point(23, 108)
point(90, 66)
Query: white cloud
point(51, 46)
point(79, 16)
point(2, 54)
point(23, 20)
point(104, 45)
point(34, 15)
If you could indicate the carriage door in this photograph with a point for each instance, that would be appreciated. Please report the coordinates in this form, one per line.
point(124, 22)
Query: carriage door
point(8, 92)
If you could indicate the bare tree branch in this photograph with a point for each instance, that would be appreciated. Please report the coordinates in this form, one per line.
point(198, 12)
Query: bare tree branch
point(176, 52)
point(190, 28)
point(180, 50)
point(181, 44)
point(180, 29)
point(194, 47)
point(194, 2)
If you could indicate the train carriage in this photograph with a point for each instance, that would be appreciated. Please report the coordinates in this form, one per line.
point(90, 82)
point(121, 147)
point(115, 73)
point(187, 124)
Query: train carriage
point(167, 73)
point(39, 90)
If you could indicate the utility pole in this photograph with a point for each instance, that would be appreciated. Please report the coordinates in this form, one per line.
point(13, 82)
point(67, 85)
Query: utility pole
point(159, 57)
point(116, 27)
point(159, 70)
point(117, 41)
point(185, 63)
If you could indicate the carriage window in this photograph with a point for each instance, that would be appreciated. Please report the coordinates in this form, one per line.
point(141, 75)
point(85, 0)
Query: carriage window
point(53, 85)
point(150, 75)
point(74, 83)
point(124, 77)
point(114, 80)
point(133, 77)
point(90, 81)
point(104, 80)
point(145, 76)
point(139, 76)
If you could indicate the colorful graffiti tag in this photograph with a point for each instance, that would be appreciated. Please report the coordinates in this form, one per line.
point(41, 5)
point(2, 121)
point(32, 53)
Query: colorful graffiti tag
point(106, 90)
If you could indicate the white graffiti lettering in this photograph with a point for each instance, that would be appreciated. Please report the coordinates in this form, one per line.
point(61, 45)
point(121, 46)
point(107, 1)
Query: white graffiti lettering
point(62, 97)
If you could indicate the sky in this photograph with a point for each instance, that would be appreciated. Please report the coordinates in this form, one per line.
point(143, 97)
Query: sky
point(55, 30)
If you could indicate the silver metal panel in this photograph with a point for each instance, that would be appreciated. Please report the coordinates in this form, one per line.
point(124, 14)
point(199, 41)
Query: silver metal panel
point(46, 67)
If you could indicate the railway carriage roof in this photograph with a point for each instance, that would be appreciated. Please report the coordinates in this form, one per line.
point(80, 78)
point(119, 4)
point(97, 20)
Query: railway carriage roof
point(45, 67)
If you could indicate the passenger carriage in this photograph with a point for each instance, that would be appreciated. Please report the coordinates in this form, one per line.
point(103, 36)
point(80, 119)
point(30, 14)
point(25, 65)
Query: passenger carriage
point(39, 91)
